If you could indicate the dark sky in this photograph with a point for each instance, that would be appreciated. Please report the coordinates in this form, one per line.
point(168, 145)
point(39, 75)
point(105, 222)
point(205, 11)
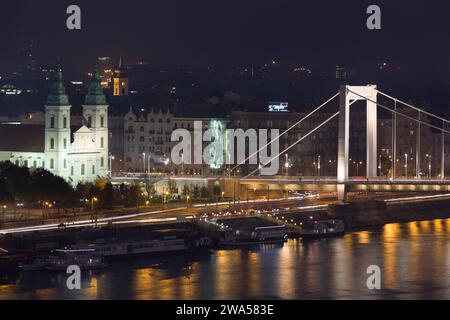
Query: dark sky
point(194, 32)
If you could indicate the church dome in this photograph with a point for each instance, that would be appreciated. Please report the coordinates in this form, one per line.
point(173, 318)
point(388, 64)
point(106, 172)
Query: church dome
point(95, 96)
point(57, 95)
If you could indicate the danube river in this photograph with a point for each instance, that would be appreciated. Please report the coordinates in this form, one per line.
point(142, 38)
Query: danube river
point(414, 259)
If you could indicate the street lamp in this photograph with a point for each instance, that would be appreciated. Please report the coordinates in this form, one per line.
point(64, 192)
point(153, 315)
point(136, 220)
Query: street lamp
point(406, 165)
point(166, 163)
point(429, 165)
point(379, 165)
point(93, 200)
point(318, 166)
point(143, 160)
point(286, 164)
point(165, 195)
point(188, 197)
point(111, 158)
point(149, 168)
point(182, 164)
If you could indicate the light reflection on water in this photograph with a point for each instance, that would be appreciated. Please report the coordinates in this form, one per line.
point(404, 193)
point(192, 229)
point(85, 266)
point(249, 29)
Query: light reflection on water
point(414, 259)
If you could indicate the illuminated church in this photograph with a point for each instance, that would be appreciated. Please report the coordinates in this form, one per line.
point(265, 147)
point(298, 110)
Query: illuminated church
point(76, 154)
point(120, 80)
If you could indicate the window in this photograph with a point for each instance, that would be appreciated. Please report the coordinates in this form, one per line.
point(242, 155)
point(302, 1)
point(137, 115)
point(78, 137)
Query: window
point(71, 170)
point(17, 163)
point(89, 121)
point(83, 169)
point(93, 169)
point(52, 143)
point(102, 142)
point(35, 164)
point(102, 121)
point(25, 163)
point(102, 162)
point(52, 122)
point(142, 129)
point(65, 163)
point(52, 164)
point(65, 122)
point(65, 143)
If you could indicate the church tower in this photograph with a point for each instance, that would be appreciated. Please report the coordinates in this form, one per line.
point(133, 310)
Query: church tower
point(57, 128)
point(95, 112)
point(120, 80)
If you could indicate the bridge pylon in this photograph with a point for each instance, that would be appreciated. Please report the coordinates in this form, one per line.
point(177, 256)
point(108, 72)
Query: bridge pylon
point(349, 95)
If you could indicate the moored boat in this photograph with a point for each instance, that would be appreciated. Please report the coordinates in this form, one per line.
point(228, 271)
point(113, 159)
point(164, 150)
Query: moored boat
point(319, 229)
point(118, 249)
point(60, 260)
point(260, 235)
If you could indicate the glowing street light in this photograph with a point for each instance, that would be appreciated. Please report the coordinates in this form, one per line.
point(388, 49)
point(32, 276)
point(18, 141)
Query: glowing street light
point(379, 164)
point(286, 164)
point(318, 166)
point(143, 160)
point(111, 158)
point(406, 165)
point(93, 200)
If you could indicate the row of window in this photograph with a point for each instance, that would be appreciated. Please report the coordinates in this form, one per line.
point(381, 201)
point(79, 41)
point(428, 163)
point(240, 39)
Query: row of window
point(102, 121)
point(53, 121)
point(89, 120)
point(52, 166)
point(26, 163)
point(153, 120)
point(52, 143)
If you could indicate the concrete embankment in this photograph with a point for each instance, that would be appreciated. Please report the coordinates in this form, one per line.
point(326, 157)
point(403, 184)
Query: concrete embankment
point(360, 215)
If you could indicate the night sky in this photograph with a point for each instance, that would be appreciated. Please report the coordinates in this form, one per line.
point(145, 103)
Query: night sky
point(200, 32)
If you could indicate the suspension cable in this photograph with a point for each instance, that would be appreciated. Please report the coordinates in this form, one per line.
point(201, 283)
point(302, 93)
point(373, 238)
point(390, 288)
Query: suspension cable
point(402, 114)
point(295, 143)
point(415, 108)
point(287, 130)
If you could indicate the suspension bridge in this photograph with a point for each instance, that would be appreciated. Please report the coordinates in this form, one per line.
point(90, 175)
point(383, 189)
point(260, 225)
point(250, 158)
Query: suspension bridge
point(373, 180)
point(348, 95)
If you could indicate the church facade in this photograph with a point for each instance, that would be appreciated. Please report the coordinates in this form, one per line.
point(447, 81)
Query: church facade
point(76, 154)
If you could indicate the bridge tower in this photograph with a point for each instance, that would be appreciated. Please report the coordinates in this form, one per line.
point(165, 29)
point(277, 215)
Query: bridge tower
point(349, 95)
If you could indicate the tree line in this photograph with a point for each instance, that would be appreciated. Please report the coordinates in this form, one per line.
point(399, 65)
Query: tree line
point(38, 188)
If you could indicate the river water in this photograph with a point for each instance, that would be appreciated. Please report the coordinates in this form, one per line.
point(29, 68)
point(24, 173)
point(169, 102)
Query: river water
point(414, 259)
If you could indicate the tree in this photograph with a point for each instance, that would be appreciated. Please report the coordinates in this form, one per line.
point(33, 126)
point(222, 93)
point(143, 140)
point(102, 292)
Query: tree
point(45, 186)
point(172, 185)
point(132, 196)
point(5, 192)
point(107, 198)
point(16, 182)
point(204, 194)
point(196, 192)
point(186, 191)
point(217, 191)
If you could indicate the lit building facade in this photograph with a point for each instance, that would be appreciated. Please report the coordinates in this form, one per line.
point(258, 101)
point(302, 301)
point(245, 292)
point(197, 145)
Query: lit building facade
point(77, 154)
